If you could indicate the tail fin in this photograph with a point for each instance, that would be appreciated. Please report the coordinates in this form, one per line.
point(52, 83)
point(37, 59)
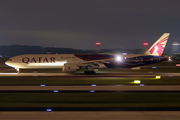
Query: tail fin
point(158, 47)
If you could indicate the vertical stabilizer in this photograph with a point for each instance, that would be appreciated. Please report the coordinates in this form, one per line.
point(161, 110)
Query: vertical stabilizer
point(158, 47)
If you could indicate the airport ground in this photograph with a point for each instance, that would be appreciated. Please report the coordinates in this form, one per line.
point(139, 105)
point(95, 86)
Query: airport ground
point(110, 94)
point(92, 115)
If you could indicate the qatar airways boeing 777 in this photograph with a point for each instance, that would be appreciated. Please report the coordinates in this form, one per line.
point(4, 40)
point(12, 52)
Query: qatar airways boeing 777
point(74, 62)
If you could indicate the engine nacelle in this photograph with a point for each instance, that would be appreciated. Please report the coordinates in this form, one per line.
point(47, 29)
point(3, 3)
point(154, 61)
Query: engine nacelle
point(70, 67)
point(95, 66)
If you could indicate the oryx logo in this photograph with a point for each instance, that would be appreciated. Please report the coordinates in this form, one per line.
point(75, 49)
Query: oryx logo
point(158, 47)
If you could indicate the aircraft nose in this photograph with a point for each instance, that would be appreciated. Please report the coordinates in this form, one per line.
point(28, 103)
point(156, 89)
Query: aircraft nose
point(8, 62)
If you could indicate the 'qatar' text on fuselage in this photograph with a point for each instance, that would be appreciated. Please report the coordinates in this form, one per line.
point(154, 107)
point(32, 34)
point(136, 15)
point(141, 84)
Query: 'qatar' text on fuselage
point(38, 60)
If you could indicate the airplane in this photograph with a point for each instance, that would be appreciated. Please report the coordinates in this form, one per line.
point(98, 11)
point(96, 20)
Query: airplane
point(75, 62)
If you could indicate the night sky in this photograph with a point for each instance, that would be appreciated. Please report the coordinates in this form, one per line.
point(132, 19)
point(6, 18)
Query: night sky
point(80, 23)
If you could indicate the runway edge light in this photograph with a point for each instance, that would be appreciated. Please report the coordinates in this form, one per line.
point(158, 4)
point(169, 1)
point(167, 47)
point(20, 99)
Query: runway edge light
point(92, 91)
point(48, 110)
point(55, 91)
point(137, 81)
point(158, 77)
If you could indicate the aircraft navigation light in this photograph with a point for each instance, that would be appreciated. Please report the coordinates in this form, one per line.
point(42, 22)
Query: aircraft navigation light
point(137, 81)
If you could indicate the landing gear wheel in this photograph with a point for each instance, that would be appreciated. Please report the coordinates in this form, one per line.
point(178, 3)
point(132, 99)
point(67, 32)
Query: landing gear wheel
point(93, 72)
point(90, 72)
point(85, 72)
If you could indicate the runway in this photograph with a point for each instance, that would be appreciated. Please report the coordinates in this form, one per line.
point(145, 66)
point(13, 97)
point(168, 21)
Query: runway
point(114, 74)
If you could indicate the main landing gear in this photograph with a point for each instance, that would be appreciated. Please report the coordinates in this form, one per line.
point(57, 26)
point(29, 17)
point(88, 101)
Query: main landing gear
point(89, 70)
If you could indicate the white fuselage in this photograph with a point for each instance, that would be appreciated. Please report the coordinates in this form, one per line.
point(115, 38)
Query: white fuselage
point(29, 61)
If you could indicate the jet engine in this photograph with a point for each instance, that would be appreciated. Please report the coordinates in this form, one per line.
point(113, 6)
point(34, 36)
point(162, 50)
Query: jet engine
point(70, 67)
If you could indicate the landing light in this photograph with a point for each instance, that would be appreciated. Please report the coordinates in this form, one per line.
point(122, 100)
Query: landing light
point(118, 58)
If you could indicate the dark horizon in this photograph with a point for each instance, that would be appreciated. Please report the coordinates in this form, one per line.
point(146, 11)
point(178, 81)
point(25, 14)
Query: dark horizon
point(80, 24)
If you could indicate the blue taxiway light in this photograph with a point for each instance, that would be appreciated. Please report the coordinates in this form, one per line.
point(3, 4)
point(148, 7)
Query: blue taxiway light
point(154, 67)
point(93, 85)
point(92, 90)
point(55, 91)
point(42, 85)
point(48, 110)
point(141, 84)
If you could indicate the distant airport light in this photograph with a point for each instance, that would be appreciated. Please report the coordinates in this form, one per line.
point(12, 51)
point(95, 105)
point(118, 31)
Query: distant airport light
point(158, 77)
point(55, 91)
point(93, 85)
point(177, 64)
point(48, 110)
point(137, 81)
point(98, 43)
point(92, 90)
point(48, 52)
point(145, 43)
point(154, 67)
point(124, 53)
point(175, 43)
point(42, 85)
point(169, 59)
point(141, 84)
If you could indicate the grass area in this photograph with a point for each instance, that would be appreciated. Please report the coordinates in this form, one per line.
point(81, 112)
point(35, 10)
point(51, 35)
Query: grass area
point(90, 100)
point(86, 81)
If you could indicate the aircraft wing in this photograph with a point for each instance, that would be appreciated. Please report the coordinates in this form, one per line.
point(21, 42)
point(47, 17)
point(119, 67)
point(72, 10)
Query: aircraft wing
point(85, 63)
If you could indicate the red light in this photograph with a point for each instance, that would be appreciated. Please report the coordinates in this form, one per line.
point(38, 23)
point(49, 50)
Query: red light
point(175, 42)
point(48, 52)
point(145, 43)
point(98, 43)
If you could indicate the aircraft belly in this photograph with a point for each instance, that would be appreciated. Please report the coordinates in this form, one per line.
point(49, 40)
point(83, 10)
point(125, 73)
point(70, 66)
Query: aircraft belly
point(39, 65)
